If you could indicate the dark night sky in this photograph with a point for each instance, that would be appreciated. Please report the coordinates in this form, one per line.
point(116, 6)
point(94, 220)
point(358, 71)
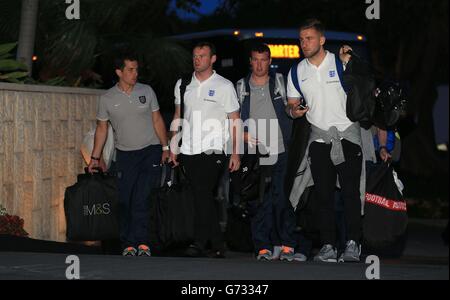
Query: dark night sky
point(206, 7)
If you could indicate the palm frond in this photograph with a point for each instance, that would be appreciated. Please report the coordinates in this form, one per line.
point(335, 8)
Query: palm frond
point(72, 48)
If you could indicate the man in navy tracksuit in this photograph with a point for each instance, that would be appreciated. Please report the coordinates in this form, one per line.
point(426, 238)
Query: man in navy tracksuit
point(132, 110)
point(263, 106)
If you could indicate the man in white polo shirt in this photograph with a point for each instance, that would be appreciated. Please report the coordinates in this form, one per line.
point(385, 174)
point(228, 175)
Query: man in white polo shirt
point(209, 102)
point(133, 111)
point(334, 151)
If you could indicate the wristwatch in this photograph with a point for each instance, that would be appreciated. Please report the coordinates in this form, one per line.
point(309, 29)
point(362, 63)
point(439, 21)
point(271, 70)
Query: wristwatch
point(165, 148)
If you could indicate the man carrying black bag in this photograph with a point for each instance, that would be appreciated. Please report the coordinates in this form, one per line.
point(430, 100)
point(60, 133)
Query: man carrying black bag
point(133, 111)
point(334, 153)
point(263, 109)
point(208, 105)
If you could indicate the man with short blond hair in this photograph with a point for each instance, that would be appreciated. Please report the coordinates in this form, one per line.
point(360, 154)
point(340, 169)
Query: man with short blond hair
point(334, 152)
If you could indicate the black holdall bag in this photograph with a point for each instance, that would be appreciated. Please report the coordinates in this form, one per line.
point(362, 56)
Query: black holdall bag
point(92, 208)
point(247, 189)
point(249, 178)
point(247, 182)
point(244, 189)
point(386, 217)
point(172, 210)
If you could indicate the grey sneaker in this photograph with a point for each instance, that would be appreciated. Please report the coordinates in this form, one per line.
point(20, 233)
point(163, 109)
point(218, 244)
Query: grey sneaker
point(352, 252)
point(300, 257)
point(144, 251)
point(287, 254)
point(130, 251)
point(327, 254)
point(264, 255)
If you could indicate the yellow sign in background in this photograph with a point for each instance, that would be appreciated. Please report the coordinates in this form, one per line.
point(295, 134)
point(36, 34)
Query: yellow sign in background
point(285, 51)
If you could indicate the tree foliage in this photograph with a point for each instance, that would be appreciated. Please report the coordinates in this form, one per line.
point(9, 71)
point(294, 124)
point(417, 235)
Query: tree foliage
point(80, 50)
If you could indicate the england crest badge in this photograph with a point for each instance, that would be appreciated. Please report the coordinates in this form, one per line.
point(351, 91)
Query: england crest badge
point(143, 99)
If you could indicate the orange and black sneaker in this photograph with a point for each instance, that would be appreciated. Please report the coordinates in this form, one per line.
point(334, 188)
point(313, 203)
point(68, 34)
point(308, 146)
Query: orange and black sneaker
point(144, 250)
point(264, 255)
point(130, 251)
point(287, 254)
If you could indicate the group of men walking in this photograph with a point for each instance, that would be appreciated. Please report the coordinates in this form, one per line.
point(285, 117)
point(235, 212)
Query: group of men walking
point(220, 122)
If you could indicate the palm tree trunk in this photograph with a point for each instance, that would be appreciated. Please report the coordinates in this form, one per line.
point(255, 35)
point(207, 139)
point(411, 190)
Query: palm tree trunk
point(27, 32)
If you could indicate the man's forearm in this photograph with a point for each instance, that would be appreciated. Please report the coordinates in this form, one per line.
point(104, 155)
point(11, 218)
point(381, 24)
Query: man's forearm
point(176, 122)
point(101, 134)
point(382, 137)
point(291, 107)
point(161, 132)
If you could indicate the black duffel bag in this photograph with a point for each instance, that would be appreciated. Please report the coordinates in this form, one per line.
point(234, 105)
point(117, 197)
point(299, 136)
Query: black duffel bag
point(386, 217)
point(246, 194)
point(92, 208)
point(172, 210)
point(246, 183)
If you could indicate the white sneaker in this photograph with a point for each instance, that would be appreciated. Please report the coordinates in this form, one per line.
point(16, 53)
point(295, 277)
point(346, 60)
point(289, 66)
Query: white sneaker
point(300, 257)
point(276, 252)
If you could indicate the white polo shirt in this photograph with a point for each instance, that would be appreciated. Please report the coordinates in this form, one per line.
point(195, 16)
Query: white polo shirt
point(207, 105)
point(323, 93)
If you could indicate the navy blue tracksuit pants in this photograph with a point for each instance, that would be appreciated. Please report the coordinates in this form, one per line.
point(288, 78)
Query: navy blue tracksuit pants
point(138, 173)
point(275, 217)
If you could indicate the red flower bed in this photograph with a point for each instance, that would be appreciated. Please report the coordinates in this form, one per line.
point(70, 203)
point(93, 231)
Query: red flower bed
point(12, 225)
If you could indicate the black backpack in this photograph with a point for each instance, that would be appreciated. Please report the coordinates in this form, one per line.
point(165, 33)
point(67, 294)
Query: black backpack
point(92, 208)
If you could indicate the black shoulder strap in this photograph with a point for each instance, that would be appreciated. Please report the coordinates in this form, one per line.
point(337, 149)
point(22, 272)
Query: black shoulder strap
point(185, 81)
point(248, 90)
